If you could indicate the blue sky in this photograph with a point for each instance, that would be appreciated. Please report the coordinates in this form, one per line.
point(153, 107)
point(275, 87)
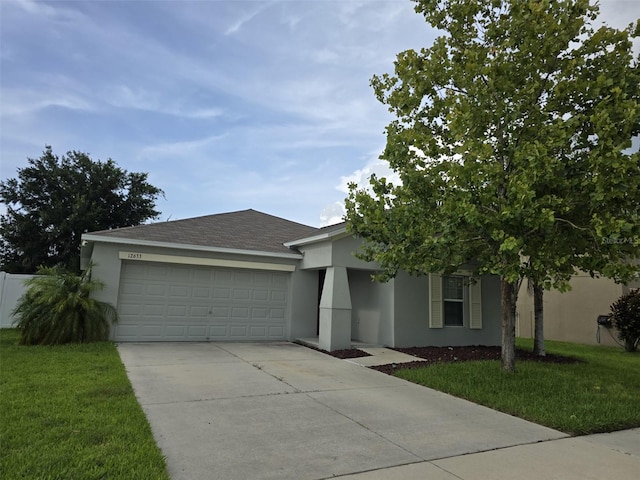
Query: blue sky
point(227, 104)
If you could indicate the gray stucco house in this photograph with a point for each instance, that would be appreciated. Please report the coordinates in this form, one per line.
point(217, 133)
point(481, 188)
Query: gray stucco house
point(249, 276)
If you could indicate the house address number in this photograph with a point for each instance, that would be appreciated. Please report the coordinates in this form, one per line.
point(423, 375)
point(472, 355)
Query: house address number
point(134, 256)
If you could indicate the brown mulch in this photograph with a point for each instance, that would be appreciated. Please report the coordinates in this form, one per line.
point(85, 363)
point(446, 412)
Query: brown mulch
point(346, 353)
point(432, 355)
point(349, 353)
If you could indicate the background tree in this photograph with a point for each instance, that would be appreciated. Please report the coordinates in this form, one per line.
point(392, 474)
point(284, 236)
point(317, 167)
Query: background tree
point(511, 142)
point(55, 200)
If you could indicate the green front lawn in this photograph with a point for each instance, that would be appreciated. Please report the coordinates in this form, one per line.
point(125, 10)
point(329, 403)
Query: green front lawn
point(69, 412)
point(602, 394)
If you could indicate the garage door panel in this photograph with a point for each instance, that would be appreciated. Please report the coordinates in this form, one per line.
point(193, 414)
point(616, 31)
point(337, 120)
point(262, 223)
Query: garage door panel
point(222, 276)
point(275, 332)
point(175, 331)
point(261, 295)
point(218, 331)
point(197, 331)
point(241, 313)
point(280, 297)
point(242, 277)
point(220, 312)
point(201, 292)
point(153, 310)
point(259, 313)
point(258, 331)
point(177, 311)
point(222, 293)
point(182, 303)
point(179, 291)
point(132, 289)
point(238, 331)
point(152, 331)
point(241, 294)
point(156, 271)
point(198, 311)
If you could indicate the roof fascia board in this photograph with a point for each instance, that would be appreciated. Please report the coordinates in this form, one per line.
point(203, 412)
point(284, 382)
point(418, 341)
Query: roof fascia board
point(184, 246)
point(334, 235)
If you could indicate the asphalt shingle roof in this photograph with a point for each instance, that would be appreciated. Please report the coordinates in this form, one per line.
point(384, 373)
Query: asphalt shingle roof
point(243, 230)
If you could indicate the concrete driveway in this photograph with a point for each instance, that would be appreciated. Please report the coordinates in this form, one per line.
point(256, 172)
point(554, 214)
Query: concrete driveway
point(283, 411)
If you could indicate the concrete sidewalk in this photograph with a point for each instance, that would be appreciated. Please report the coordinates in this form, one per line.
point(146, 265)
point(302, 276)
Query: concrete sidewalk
point(283, 411)
point(593, 457)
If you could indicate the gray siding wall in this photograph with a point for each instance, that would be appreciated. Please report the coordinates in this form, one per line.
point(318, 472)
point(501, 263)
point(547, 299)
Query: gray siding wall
point(338, 252)
point(343, 253)
point(411, 312)
point(371, 309)
point(304, 304)
point(106, 268)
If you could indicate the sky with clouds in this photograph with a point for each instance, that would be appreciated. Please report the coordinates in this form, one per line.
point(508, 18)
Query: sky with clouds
point(227, 104)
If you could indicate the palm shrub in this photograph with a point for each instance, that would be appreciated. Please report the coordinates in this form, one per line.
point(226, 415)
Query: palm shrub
point(625, 316)
point(58, 308)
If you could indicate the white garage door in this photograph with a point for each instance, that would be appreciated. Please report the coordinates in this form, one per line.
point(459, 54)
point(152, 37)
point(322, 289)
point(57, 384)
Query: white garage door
point(167, 302)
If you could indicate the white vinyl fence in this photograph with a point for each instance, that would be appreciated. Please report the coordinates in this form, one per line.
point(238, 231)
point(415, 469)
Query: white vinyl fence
point(11, 289)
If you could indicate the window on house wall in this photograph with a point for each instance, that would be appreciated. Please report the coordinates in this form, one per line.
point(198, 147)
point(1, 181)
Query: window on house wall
point(452, 298)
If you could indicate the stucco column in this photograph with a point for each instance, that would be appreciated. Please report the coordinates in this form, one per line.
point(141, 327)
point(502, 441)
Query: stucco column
point(335, 311)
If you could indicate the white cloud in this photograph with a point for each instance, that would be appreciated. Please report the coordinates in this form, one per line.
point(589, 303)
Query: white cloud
point(332, 214)
point(245, 18)
point(23, 101)
point(361, 176)
point(179, 151)
point(123, 96)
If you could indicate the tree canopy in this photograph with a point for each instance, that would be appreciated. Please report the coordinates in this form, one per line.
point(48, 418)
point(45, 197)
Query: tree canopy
point(54, 200)
point(512, 143)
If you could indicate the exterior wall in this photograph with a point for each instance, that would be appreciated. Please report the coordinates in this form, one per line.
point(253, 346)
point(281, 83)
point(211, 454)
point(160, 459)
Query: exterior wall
point(338, 252)
point(317, 255)
point(11, 289)
point(571, 316)
point(107, 266)
point(372, 309)
point(343, 253)
point(303, 304)
point(411, 313)
point(396, 313)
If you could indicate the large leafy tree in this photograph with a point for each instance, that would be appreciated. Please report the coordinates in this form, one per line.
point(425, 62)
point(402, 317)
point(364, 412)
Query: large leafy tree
point(54, 200)
point(511, 142)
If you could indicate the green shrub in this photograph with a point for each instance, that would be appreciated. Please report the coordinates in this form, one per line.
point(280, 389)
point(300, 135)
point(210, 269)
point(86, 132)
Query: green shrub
point(625, 315)
point(57, 308)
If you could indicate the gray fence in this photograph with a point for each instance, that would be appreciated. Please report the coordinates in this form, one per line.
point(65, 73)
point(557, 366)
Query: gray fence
point(11, 289)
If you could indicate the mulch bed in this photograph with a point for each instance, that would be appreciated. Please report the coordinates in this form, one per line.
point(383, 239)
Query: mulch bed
point(346, 353)
point(432, 355)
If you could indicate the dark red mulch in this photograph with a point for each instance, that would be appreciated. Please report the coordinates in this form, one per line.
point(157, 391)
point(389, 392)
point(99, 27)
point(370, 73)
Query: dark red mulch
point(349, 353)
point(433, 355)
point(346, 353)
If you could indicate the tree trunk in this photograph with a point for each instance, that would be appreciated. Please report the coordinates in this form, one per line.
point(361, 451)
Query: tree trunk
point(538, 315)
point(509, 297)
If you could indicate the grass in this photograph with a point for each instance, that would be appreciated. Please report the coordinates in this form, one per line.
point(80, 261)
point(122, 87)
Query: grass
point(601, 394)
point(69, 412)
